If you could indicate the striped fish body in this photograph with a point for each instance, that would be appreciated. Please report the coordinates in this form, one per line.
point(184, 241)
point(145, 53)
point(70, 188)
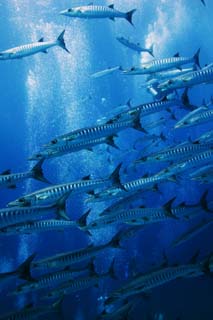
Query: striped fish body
point(169, 74)
point(188, 80)
point(11, 216)
point(8, 180)
point(96, 132)
point(178, 152)
point(201, 158)
point(74, 286)
point(155, 279)
point(67, 147)
point(158, 65)
point(143, 183)
point(37, 226)
point(27, 50)
point(50, 195)
point(93, 12)
point(46, 281)
point(132, 216)
point(69, 258)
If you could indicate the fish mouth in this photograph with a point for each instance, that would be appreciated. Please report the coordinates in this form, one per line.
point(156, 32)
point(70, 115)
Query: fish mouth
point(63, 13)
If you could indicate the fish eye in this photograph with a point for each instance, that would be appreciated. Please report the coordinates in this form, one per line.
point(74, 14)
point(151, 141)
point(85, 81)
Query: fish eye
point(54, 141)
point(22, 200)
point(170, 81)
point(69, 10)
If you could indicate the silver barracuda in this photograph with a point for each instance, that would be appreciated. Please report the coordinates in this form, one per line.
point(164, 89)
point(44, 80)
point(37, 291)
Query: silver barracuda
point(203, 175)
point(58, 150)
point(16, 215)
point(120, 313)
point(49, 280)
point(200, 117)
point(205, 137)
point(72, 257)
point(22, 272)
point(30, 312)
point(37, 227)
point(176, 153)
point(158, 65)
point(135, 46)
point(198, 159)
point(33, 48)
point(159, 76)
point(105, 72)
point(97, 12)
point(151, 280)
point(189, 80)
point(9, 180)
point(51, 195)
point(99, 131)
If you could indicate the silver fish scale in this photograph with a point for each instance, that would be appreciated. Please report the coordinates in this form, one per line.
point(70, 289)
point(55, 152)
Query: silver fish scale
point(103, 11)
point(141, 183)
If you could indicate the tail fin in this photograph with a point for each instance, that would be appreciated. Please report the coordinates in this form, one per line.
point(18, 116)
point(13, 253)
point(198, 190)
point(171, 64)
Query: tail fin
point(115, 241)
point(185, 100)
point(110, 141)
point(37, 172)
point(204, 203)
point(151, 49)
point(23, 271)
point(61, 41)
point(203, 2)
point(61, 207)
point(129, 16)
point(196, 58)
point(82, 221)
point(115, 176)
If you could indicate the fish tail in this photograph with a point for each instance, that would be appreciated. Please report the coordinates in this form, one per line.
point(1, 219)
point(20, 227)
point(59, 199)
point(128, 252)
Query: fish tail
point(115, 176)
point(129, 16)
point(203, 202)
point(60, 206)
point(196, 58)
point(23, 271)
point(151, 50)
point(185, 100)
point(61, 42)
point(82, 221)
point(37, 172)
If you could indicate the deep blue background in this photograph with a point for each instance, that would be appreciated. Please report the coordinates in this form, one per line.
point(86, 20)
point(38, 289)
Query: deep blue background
point(46, 95)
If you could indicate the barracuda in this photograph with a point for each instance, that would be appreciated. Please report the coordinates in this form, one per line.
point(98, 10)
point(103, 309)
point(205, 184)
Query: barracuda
point(200, 117)
point(204, 174)
point(30, 312)
point(72, 257)
point(98, 131)
point(68, 147)
point(135, 46)
point(205, 138)
point(201, 158)
point(159, 76)
point(176, 153)
point(105, 72)
point(9, 180)
point(32, 48)
point(49, 280)
point(151, 280)
point(52, 194)
point(158, 65)
point(37, 226)
point(97, 12)
point(189, 80)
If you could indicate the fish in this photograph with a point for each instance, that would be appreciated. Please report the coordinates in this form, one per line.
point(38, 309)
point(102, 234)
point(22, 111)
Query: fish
point(51, 195)
point(203, 175)
point(9, 180)
point(158, 65)
point(150, 280)
point(176, 153)
point(203, 2)
point(49, 280)
point(114, 112)
point(188, 80)
point(61, 149)
point(205, 137)
point(22, 272)
point(122, 313)
point(72, 257)
point(31, 312)
point(31, 227)
point(97, 12)
point(105, 72)
point(98, 131)
point(189, 234)
point(202, 115)
point(33, 48)
point(135, 46)
point(17, 215)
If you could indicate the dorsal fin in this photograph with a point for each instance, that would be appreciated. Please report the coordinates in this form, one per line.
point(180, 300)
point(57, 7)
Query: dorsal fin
point(111, 6)
point(41, 40)
point(86, 177)
point(176, 55)
point(4, 173)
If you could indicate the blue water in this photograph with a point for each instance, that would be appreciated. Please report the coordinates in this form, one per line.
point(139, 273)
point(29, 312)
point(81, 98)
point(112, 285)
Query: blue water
point(50, 94)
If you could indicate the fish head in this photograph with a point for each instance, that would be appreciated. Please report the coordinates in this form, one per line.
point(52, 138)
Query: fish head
point(71, 12)
point(36, 156)
point(20, 202)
